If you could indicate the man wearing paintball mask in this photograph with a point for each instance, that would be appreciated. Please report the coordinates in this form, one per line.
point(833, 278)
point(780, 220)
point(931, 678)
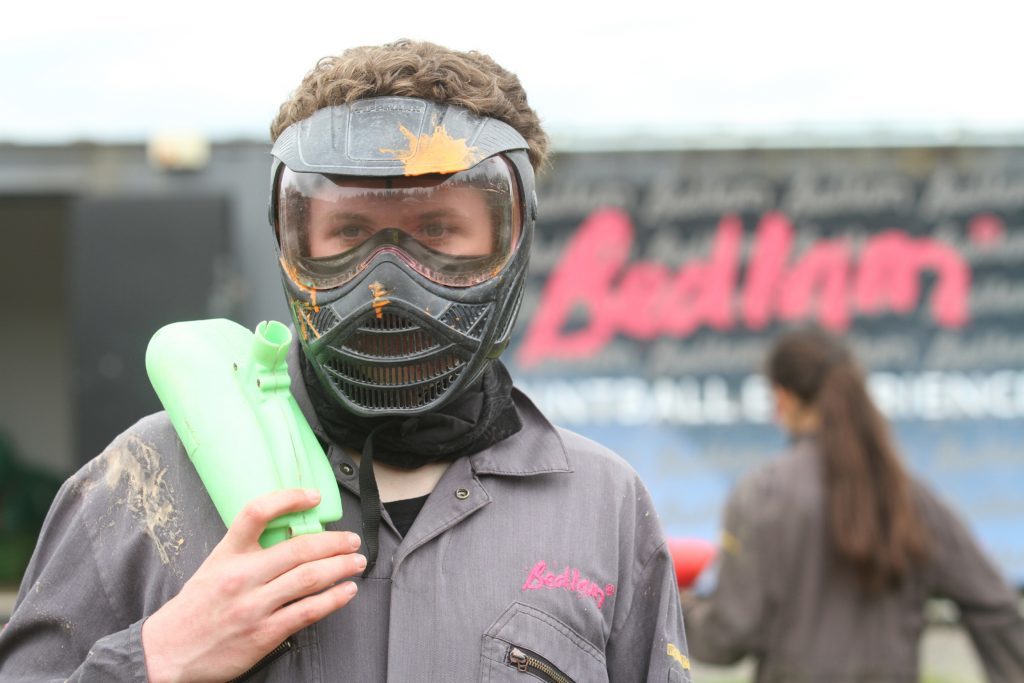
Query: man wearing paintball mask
point(478, 541)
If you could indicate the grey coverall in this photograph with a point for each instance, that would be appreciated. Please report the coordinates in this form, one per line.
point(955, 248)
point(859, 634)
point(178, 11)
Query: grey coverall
point(545, 544)
point(782, 598)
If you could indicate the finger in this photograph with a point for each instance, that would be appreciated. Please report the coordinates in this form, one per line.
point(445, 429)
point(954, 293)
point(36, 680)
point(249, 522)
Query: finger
point(312, 577)
point(252, 519)
point(303, 613)
point(299, 550)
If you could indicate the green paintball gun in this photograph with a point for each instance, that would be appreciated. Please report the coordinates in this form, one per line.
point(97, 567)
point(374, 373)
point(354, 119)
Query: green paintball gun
point(227, 393)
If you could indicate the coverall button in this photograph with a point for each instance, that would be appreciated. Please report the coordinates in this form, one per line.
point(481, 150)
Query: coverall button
point(462, 494)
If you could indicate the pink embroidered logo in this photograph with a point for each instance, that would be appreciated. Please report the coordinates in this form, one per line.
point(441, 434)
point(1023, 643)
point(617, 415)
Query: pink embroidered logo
point(569, 580)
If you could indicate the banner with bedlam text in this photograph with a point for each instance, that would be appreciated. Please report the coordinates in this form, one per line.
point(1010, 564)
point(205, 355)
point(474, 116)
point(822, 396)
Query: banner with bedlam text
point(659, 280)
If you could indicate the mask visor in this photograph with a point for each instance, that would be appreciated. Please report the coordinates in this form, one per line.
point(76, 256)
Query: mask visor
point(456, 230)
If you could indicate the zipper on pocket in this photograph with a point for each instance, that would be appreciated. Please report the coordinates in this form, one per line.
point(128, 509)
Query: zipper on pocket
point(266, 660)
point(528, 662)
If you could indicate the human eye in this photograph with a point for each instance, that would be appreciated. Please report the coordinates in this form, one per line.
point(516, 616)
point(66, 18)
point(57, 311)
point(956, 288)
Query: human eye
point(436, 230)
point(350, 231)
point(341, 235)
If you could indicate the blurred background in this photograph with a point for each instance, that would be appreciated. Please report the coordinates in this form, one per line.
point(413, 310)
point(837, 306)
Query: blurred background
point(750, 165)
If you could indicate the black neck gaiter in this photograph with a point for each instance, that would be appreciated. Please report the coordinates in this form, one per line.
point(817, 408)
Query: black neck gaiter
point(481, 416)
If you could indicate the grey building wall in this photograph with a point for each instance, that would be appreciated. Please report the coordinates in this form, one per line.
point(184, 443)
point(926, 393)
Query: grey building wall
point(42, 194)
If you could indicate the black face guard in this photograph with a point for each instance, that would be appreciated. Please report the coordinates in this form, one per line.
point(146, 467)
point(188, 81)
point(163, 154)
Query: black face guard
point(389, 338)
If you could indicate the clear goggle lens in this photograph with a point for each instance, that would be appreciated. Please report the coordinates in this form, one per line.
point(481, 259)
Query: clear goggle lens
point(457, 230)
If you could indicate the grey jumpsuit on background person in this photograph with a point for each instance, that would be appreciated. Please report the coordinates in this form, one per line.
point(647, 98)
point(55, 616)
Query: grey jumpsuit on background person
point(781, 598)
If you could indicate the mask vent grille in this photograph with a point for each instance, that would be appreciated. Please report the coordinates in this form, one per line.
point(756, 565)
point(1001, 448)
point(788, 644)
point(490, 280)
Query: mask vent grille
point(402, 387)
point(388, 322)
point(379, 386)
point(390, 345)
point(324, 319)
point(466, 318)
point(312, 323)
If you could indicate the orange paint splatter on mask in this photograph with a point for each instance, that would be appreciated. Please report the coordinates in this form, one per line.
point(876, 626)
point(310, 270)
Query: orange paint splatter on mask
point(299, 307)
point(294, 277)
point(379, 302)
point(436, 152)
point(301, 310)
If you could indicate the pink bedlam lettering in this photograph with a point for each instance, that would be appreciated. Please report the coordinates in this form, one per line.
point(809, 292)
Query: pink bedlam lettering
point(569, 579)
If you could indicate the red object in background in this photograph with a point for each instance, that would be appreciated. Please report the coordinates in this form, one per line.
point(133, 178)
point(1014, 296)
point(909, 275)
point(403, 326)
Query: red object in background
point(690, 556)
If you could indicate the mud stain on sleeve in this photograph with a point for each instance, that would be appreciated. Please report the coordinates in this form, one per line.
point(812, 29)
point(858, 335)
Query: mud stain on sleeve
point(138, 480)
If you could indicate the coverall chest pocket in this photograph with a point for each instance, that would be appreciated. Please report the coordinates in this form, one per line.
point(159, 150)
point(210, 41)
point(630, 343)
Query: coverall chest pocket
point(526, 644)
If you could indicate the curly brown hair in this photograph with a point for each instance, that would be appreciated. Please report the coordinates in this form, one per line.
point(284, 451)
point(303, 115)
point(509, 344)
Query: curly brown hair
point(417, 69)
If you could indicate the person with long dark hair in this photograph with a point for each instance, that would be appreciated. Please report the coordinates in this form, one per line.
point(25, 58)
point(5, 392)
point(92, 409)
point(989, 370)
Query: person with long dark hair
point(830, 551)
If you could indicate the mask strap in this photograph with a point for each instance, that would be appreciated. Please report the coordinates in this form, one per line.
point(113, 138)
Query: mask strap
point(369, 501)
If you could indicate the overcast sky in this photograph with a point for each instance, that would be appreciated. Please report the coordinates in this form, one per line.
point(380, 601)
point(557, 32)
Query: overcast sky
point(111, 71)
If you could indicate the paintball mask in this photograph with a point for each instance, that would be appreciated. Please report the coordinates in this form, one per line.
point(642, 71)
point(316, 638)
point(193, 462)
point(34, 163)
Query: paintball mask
point(403, 228)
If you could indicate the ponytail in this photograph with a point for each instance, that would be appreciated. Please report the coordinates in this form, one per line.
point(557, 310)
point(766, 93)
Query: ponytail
point(872, 519)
